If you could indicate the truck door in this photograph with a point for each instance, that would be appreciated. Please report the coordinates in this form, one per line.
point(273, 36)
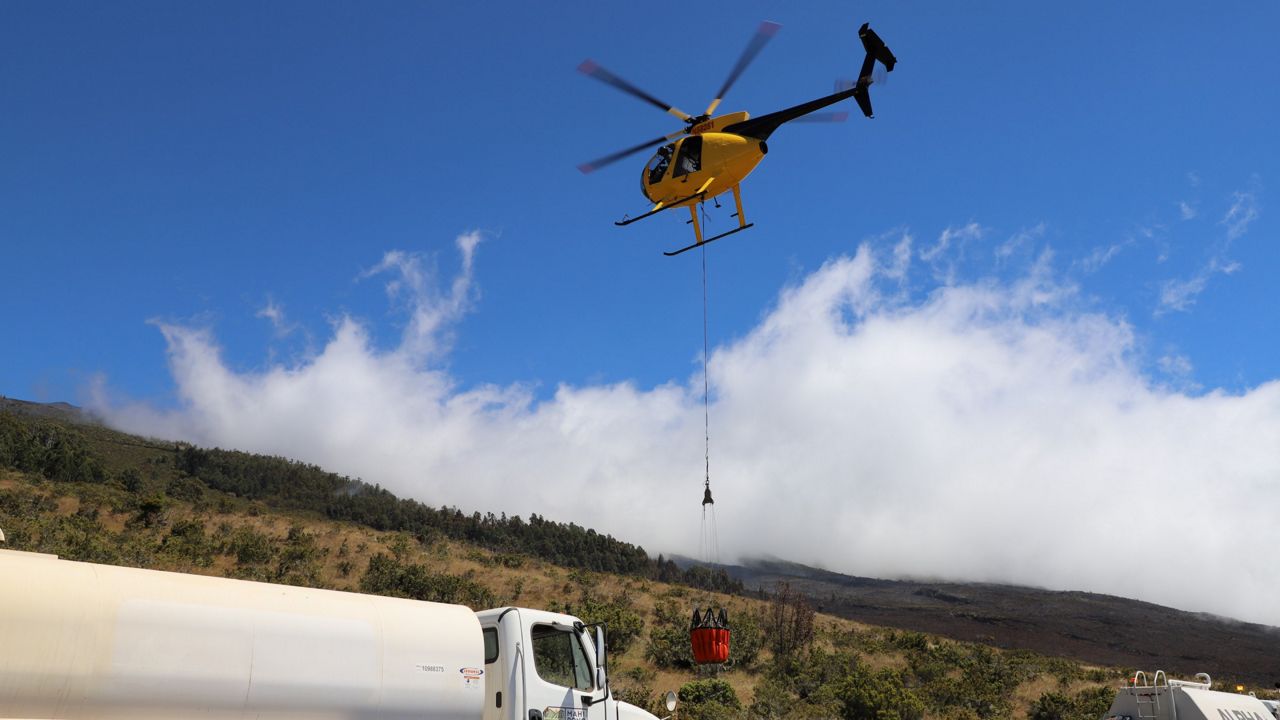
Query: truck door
point(563, 675)
point(495, 674)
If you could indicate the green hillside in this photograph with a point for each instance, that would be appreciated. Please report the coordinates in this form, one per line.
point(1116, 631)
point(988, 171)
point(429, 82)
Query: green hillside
point(88, 493)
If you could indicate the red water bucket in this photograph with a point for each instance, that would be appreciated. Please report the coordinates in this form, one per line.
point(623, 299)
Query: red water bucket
point(709, 636)
point(710, 645)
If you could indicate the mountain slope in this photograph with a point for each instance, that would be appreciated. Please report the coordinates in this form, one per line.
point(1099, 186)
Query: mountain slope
point(1090, 627)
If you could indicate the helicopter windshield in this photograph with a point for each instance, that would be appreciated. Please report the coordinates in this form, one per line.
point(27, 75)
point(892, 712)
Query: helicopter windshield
point(657, 166)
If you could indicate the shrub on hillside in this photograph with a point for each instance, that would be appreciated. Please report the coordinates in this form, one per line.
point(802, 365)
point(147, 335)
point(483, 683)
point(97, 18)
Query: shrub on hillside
point(389, 576)
point(624, 623)
point(635, 686)
point(789, 623)
point(711, 699)
point(746, 639)
point(876, 695)
point(298, 560)
point(46, 448)
point(834, 683)
point(1087, 704)
point(188, 544)
point(249, 547)
point(668, 644)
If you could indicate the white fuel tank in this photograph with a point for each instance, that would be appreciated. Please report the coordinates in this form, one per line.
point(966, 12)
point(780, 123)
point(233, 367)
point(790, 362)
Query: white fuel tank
point(1164, 699)
point(94, 642)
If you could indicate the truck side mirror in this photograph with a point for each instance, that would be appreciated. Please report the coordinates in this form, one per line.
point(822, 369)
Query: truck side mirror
point(670, 701)
point(602, 661)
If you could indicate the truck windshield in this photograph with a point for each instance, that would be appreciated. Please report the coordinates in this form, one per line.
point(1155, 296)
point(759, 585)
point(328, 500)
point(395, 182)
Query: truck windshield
point(559, 659)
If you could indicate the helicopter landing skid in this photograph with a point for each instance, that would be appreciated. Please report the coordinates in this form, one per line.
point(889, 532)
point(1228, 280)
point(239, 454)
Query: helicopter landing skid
point(697, 226)
point(660, 208)
point(708, 241)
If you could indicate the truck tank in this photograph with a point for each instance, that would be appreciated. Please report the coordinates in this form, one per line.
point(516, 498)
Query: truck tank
point(84, 641)
point(1165, 699)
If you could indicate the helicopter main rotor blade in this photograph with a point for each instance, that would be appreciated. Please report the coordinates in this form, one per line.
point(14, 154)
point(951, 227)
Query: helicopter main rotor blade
point(764, 33)
point(598, 163)
point(590, 67)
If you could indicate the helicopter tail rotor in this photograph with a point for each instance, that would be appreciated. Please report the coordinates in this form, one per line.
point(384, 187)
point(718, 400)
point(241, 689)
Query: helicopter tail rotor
point(879, 76)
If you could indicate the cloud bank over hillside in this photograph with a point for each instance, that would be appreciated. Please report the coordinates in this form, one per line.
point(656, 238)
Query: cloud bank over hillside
point(992, 430)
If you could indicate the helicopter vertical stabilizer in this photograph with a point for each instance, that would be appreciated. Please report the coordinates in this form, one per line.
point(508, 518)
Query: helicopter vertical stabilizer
point(876, 50)
point(876, 47)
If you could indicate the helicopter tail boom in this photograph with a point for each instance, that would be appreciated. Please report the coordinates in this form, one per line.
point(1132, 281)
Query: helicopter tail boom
point(876, 50)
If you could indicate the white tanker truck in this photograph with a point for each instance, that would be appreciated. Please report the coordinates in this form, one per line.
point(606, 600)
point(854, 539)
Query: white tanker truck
point(98, 642)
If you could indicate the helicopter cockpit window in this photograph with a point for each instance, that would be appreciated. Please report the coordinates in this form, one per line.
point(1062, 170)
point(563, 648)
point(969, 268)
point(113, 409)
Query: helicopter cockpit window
point(690, 160)
point(657, 167)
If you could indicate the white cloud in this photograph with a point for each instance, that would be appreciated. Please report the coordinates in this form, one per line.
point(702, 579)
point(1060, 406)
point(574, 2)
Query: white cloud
point(1186, 210)
point(1243, 211)
point(990, 431)
point(944, 256)
point(972, 231)
point(1177, 365)
point(1019, 239)
point(1179, 372)
point(431, 311)
point(897, 270)
point(273, 312)
point(1100, 256)
point(1179, 294)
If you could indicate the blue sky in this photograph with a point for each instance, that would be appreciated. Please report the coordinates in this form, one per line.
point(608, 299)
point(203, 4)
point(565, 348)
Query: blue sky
point(260, 225)
point(194, 160)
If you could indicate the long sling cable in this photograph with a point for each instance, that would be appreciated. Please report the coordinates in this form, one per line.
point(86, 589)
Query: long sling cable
point(709, 540)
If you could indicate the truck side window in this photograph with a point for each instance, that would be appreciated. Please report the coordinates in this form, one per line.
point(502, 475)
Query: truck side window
point(559, 659)
point(490, 645)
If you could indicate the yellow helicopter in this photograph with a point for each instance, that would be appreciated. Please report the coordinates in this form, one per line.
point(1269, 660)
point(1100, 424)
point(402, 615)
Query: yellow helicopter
point(713, 155)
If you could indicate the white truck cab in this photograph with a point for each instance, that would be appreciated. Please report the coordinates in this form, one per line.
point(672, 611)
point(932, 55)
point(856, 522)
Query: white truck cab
point(547, 666)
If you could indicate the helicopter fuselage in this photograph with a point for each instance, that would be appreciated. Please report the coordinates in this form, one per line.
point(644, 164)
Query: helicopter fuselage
point(679, 173)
